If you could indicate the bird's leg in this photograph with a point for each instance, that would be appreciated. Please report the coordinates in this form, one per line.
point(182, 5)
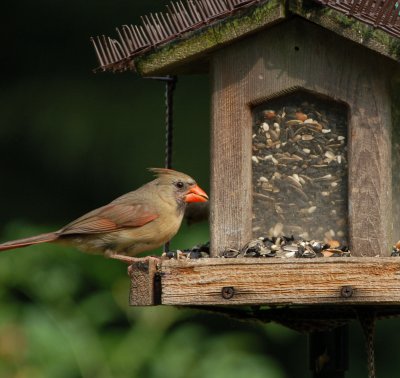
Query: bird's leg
point(128, 259)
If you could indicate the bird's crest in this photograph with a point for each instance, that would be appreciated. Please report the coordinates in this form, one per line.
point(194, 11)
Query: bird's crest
point(165, 173)
point(162, 171)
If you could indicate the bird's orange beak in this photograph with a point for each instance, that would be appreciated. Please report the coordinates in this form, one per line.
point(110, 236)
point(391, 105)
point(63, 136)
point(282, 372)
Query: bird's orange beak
point(196, 194)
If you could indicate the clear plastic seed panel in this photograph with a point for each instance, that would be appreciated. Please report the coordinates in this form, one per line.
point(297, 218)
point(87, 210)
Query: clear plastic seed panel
point(300, 168)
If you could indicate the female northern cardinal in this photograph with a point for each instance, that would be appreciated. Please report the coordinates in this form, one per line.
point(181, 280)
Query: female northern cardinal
point(133, 223)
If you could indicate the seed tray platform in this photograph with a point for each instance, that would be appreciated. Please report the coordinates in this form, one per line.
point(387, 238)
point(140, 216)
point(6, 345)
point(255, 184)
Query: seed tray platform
point(265, 281)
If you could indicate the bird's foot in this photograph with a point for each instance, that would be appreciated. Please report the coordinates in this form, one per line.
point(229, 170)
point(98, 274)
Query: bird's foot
point(131, 260)
point(178, 255)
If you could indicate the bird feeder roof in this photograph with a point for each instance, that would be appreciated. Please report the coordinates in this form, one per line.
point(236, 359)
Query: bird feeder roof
point(181, 39)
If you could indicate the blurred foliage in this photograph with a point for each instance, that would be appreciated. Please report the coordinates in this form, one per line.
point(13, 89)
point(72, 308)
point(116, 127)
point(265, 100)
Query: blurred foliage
point(71, 141)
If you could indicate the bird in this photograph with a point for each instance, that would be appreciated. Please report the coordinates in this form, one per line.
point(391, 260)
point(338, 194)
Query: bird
point(136, 222)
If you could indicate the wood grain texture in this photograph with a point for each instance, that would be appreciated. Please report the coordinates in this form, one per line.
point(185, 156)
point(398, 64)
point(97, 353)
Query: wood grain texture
point(396, 156)
point(375, 281)
point(261, 67)
point(230, 206)
point(142, 275)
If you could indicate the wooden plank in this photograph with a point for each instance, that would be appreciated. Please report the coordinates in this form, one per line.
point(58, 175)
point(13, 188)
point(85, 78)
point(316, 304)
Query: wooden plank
point(231, 202)
point(249, 281)
point(144, 290)
point(395, 96)
point(299, 54)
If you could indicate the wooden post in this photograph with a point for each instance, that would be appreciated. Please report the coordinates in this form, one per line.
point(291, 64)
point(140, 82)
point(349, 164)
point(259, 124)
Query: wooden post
point(230, 212)
point(395, 96)
point(299, 54)
point(145, 283)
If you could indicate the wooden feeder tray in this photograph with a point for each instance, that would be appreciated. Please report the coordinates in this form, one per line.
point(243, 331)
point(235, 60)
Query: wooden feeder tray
point(373, 281)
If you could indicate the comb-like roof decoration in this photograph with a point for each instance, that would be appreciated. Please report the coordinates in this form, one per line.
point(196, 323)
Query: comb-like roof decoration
point(117, 54)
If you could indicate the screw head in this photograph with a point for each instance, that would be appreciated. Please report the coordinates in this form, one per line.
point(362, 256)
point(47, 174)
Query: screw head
point(346, 291)
point(227, 292)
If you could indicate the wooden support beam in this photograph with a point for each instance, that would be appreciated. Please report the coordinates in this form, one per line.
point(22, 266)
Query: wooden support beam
point(144, 283)
point(257, 281)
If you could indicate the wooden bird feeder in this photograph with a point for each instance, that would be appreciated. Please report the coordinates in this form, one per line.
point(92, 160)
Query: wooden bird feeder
point(304, 141)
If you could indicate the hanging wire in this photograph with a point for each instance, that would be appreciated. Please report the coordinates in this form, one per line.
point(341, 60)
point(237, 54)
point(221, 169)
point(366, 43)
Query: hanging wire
point(170, 85)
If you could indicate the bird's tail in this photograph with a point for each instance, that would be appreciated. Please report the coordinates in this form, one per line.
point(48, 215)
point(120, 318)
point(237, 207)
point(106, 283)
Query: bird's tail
point(42, 238)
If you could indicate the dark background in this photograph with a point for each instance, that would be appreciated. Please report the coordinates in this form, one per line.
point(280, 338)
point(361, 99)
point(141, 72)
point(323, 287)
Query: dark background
point(71, 141)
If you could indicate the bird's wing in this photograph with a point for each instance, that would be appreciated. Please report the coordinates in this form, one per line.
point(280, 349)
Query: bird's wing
point(110, 218)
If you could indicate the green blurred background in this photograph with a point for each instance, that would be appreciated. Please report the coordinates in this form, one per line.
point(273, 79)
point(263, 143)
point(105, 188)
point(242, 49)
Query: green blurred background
point(71, 141)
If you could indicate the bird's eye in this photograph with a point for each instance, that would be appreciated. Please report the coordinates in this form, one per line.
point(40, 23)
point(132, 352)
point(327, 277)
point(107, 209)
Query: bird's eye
point(179, 185)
